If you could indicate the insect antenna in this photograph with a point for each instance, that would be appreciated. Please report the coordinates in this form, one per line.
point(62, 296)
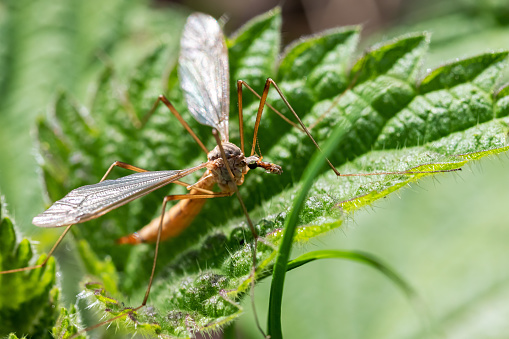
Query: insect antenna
point(249, 222)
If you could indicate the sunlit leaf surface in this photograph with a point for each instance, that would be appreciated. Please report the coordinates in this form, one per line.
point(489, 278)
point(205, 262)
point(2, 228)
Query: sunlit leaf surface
point(396, 121)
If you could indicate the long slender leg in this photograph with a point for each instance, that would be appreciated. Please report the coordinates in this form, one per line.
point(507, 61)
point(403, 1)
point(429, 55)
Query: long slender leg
point(189, 186)
point(165, 201)
point(45, 261)
point(241, 115)
point(234, 187)
point(306, 130)
point(50, 253)
point(241, 83)
point(197, 196)
point(263, 99)
point(122, 165)
point(156, 252)
point(177, 115)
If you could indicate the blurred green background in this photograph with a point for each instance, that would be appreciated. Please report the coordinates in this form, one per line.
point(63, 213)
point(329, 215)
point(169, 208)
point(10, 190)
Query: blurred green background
point(448, 236)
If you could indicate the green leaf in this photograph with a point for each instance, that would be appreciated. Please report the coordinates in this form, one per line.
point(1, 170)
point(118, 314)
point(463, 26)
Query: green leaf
point(280, 267)
point(400, 59)
point(27, 299)
point(274, 322)
point(472, 70)
point(52, 45)
point(320, 63)
point(392, 123)
point(502, 104)
point(452, 98)
point(104, 270)
point(66, 324)
point(253, 49)
point(361, 257)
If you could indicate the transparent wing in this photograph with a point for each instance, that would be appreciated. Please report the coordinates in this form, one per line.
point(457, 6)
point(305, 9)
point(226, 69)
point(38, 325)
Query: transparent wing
point(91, 201)
point(203, 72)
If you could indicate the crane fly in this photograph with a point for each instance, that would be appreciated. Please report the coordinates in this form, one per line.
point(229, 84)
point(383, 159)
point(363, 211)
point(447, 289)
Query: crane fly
point(204, 77)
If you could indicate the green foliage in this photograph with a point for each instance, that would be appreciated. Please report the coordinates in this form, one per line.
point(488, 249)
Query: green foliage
point(65, 326)
point(27, 299)
point(391, 122)
point(283, 256)
point(365, 258)
point(361, 257)
point(51, 45)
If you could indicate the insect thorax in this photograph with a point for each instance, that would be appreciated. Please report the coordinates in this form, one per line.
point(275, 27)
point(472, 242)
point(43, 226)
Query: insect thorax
point(236, 160)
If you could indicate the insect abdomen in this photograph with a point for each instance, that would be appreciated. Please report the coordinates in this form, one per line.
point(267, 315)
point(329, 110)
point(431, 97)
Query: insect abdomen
point(177, 219)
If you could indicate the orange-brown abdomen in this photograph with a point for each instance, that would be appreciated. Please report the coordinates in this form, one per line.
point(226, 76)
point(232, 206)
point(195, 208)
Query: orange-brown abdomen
point(177, 219)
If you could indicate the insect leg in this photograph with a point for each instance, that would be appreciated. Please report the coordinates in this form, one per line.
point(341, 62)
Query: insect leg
point(159, 231)
point(263, 99)
point(193, 186)
point(197, 196)
point(306, 130)
point(122, 165)
point(45, 261)
point(259, 115)
point(156, 252)
point(177, 115)
point(241, 116)
point(241, 83)
point(50, 253)
point(234, 187)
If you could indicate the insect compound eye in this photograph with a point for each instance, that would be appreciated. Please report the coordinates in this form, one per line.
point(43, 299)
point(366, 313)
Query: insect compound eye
point(252, 162)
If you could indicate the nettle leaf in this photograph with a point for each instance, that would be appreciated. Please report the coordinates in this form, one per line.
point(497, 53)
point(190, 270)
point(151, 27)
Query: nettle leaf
point(27, 299)
point(65, 326)
point(393, 122)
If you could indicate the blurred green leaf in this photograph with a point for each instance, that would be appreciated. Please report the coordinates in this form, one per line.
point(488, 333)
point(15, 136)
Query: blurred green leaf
point(446, 121)
point(66, 324)
point(27, 299)
point(361, 257)
point(52, 45)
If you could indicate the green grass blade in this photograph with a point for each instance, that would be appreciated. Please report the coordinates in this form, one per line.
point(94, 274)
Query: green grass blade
point(361, 257)
point(280, 267)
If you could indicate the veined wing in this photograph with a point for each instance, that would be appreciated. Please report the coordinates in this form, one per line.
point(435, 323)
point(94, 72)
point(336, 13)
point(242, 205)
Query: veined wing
point(91, 201)
point(203, 72)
